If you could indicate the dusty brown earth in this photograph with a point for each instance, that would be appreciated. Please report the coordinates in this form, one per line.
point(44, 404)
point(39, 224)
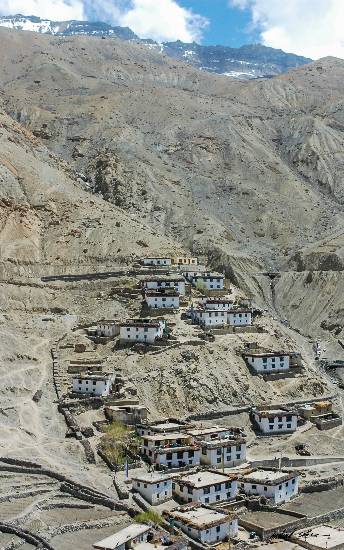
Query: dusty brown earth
point(110, 152)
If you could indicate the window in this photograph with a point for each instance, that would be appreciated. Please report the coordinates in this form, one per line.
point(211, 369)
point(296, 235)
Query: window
point(158, 485)
point(218, 487)
point(289, 426)
point(228, 485)
point(238, 447)
point(254, 486)
point(206, 500)
point(293, 481)
point(218, 460)
point(238, 456)
point(190, 490)
point(217, 497)
point(280, 426)
point(206, 490)
point(265, 488)
point(289, 418)
point(204, 451)
point(218, 528)
point(219, 451)
point(280, 487)
point(145, 485)
point(94, 382)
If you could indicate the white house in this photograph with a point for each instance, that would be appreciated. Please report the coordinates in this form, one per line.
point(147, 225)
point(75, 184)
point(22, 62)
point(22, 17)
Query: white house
point(173, 450)
point(156, 261)
point(211, 281)
point(223, 452)
point(176, 282)
point(218, 303)
point(209, 318)
point(213, 433)
point(272, 422)
point(154, 487)
point(98, 385)
point(206, 487)
point(204, 524)
point(280, 486)
point(141, 331)
point(266, 362)
point(125, 538)
point(108, 328)
point(239, 317)
point(162, 299)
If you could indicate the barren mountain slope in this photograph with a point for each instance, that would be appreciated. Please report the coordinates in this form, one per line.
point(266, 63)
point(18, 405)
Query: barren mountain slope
point(250, 174)
point(252, 169)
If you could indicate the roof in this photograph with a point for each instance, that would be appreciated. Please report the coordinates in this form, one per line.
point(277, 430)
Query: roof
point(101, 377)
point(167, 436)
point(321, 536)
point(171, 278)
point(203, 479)
point(240, 310)
point(199, 517)
point(123, 536)
point(140, 324)
point(153, 477)
point(208, 431)
point(268, 477)
point(162, 292)
point(224, 442)
point(108, 322)
point(272, 413)
point(267, 353)
point(219, 301)
point(208, 275)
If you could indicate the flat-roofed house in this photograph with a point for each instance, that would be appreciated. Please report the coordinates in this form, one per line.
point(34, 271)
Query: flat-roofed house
point(204, 524)
point(97, 385)
point(173, 450)
point(268, 361)
point(153, 487)
point(206, 487)
point(226, 452)
point(210, 281)
point(209, 317)
point(125, 538)
point(175, 282)
point(162, 299)
point(239, 317)
point(278, 485)
point(141, 330)
point(129, 414)
point(157, 261)
point(274, 421)
point(108, 328)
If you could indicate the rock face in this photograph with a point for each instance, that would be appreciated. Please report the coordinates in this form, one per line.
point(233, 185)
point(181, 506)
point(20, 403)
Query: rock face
point(244, 63)
point(247, 62)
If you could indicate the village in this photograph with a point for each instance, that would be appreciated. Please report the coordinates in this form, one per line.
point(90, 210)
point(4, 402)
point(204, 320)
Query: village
point(217, 480)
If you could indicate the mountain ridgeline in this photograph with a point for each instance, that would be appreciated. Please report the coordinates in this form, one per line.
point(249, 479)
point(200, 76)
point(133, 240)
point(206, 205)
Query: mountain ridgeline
point(247, 62)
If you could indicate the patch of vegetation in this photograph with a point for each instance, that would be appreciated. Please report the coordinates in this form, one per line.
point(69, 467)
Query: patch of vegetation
point(119, 443)
point(149, 517)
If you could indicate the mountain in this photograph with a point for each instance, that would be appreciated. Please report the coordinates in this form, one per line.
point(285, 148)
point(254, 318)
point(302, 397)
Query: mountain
point(249, 174)
point(65, 28)
point(247, 62)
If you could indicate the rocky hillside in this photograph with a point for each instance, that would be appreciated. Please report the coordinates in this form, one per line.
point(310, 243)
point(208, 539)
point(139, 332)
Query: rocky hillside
point(248, 173)
point(247, 62)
